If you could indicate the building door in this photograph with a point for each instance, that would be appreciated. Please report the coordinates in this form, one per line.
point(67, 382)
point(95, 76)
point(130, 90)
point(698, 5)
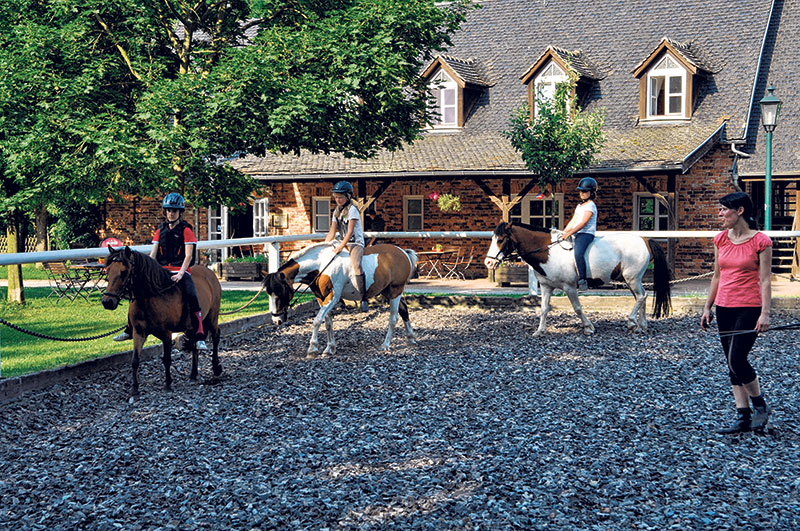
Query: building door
point(218, 230)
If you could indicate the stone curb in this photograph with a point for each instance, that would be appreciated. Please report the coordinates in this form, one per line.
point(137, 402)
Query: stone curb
point(12, 388)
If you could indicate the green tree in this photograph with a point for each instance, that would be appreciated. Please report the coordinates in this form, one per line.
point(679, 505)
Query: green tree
point(140, 98)
point(561, 140)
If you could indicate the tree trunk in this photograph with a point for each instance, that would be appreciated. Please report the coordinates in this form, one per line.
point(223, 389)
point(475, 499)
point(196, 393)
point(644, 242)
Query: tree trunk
point(16, 291)
point(41, 229)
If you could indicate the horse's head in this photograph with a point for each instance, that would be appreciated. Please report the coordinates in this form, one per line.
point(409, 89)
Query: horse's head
point(120, 276)
point(280, 296)
point(501, 246)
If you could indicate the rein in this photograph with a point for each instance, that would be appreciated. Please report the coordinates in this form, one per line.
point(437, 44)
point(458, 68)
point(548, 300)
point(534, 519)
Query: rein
point(308, 284)
point(127, 292)
point(526, 253)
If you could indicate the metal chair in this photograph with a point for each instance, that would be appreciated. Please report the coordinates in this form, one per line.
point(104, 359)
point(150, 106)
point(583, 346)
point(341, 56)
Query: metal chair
point(64, 282)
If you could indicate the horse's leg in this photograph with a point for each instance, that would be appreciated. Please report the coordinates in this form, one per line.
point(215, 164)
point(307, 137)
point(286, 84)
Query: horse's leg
point(572, 294)
point(394, 307)
point(138, 342)
point(637, 320)
point(167, 359)
point(331, 348)
point(403, 309)
point(313, 345)
point(215, 364)
point(547, 292)
point(195, 361)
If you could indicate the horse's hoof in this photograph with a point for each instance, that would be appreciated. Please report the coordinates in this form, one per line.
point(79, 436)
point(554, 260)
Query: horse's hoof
point(537, 333)
point(212, 381)
point(588, 332)
point(217, 370)
point(413, 340)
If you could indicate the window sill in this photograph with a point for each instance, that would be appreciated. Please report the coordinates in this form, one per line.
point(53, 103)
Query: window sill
point(671, 120)
point(439, 130)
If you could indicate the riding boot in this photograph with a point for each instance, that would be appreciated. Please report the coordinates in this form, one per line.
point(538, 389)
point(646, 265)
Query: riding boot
point(200, 334)
point(741, 424)
point(362, 291)
point(760, 417)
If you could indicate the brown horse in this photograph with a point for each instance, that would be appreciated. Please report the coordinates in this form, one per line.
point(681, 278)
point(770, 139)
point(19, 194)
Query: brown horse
point(387, 268)
point(157, 306)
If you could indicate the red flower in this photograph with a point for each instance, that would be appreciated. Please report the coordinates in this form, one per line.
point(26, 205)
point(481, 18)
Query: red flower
point(433, 195)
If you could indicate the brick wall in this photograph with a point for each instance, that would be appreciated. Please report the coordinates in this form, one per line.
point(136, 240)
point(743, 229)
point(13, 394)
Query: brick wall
point(698, 193)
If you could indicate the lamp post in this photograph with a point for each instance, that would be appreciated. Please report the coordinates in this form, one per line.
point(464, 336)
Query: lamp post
point(770, 107)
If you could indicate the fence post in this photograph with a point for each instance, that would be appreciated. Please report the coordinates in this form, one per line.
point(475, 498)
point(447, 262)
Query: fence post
point(273, 257)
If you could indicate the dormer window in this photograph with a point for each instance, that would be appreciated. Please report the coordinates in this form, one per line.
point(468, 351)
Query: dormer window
point(455, 86)
point(553, 67)
point(546, 82)
point(445, 96)
point(668, 79)
point(666, 89)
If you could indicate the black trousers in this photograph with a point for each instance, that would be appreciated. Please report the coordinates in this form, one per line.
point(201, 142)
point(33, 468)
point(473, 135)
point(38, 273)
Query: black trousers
point(737, 347)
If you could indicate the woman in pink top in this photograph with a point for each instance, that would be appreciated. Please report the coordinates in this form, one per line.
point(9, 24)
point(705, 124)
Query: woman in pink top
point(741, 288)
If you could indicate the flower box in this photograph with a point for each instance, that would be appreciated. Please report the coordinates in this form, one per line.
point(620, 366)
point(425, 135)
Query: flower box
point(242, 270)
point(509, 274)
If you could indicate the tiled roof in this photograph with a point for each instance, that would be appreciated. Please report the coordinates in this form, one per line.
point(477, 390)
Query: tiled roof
point(505, 37)
point(467, 70)
point(580, 62)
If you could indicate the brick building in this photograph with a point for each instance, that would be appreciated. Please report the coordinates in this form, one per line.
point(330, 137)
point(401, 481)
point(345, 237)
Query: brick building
point(679, 83)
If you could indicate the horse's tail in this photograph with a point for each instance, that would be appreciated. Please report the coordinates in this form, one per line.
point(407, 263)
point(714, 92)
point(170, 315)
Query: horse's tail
point(661, 280)
point(412, 256)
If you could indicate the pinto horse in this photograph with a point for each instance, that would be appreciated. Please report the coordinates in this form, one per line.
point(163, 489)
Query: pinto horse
point(609, 257)
point(388, 269)
point(157, 306)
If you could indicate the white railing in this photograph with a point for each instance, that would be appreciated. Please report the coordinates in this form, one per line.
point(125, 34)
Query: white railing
point(272, 244)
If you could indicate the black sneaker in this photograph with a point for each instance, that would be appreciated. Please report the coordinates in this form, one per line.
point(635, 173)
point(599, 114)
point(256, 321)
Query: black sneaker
point(740, 425)
point(364, 307)
point(760, 417)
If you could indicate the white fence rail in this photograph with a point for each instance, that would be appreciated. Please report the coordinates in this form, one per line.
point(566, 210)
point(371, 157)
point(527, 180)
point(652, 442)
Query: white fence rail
point(272, 244)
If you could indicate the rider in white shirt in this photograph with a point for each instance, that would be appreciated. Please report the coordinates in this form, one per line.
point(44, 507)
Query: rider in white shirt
point(346, 222)
point(583, 225)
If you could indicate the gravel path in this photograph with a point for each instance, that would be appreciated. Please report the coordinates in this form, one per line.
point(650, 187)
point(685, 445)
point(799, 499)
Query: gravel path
point(480, 426)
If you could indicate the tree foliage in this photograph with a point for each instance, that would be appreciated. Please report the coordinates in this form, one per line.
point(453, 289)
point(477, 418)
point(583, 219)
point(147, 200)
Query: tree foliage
point(561, 140)
point(111, 98)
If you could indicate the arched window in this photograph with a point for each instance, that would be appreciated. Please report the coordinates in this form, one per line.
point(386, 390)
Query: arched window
point(545, 83)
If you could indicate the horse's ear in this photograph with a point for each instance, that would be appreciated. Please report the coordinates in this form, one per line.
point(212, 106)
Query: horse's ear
point(128, 252)
point(282, 275)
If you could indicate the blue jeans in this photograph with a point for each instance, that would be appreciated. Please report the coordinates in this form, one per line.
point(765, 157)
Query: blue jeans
point(582, 241)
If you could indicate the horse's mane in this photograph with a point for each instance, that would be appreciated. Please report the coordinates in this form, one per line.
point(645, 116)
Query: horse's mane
point(298, 254)
point(148, 273)
point(527, 226)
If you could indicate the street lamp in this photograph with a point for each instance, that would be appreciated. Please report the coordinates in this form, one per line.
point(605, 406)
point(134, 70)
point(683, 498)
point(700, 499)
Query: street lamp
point(770, 108)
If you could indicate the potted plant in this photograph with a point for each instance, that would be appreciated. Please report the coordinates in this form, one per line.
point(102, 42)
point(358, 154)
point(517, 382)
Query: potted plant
point(446, 202)
point(244, 268)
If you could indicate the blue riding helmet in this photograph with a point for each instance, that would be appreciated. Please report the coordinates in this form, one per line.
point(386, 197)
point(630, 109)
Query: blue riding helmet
point(587, 184)
point(174, 200)
point(343, 187)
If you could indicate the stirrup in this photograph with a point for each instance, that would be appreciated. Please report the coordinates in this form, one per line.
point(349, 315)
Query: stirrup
point(200, 345)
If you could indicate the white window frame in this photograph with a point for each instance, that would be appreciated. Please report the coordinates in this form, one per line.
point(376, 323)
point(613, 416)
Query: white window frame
point(317, 217)
point(546, 82)
point(407, 215)
point(525, 210)
point(218, 226)
point(659, 211)
point(440, 86)
point(667, 74)
point(261, 217)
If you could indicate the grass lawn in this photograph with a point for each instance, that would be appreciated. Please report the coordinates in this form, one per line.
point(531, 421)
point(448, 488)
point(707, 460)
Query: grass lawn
point(29, 272)
point(23, 354)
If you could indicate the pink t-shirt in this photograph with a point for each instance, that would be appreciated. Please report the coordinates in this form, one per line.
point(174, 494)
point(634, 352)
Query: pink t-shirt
point(739, 275)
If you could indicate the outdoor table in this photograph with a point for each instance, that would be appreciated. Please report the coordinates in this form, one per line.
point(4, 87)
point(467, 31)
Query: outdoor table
point(431, 263)
point(93, 273)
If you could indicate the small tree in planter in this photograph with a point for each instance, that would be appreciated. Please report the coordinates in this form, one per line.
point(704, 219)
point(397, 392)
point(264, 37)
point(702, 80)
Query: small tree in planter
point(561, 140)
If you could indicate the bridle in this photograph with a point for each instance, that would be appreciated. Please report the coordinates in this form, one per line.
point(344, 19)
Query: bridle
point(510, 242)
point(308, 283)
point(126, 291)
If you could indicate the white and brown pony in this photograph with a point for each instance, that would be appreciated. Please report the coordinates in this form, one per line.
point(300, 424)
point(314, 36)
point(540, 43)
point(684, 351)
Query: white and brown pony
point(618, 257)
point(387, 268)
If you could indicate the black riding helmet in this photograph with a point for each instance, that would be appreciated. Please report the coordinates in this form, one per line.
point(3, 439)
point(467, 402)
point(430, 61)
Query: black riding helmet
point(587, 184)
point(343, 187)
